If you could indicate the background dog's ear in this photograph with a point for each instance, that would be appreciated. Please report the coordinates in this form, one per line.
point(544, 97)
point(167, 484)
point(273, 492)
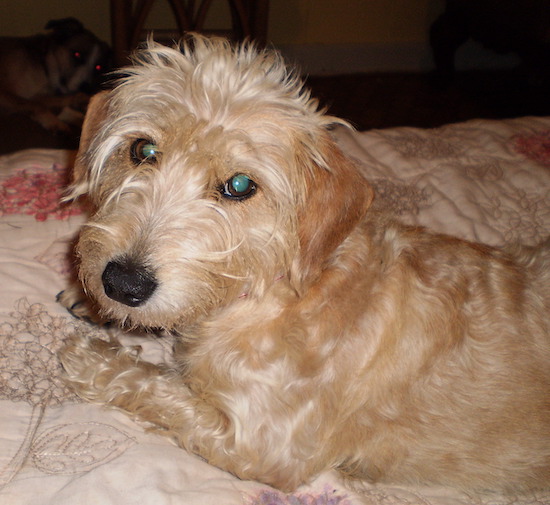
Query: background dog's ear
point(337, 198)
point(95, 115)
point(64, 29)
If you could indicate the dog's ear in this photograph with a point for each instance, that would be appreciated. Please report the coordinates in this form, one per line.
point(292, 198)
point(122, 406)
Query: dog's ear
point(95, 115)
point(337, 197)
point(64, 29)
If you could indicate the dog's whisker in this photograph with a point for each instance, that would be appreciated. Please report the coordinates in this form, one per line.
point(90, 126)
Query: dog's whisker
point(102, 227)
point(234, 277)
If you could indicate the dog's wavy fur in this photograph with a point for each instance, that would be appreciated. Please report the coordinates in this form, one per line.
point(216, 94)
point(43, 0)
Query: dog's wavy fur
point(313, 332)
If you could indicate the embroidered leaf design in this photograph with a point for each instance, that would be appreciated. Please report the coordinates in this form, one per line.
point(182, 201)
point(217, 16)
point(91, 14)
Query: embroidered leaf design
point(78, 447)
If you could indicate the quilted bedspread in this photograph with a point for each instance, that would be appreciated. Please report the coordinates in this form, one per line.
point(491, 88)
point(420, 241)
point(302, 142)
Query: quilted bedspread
point(487, 181)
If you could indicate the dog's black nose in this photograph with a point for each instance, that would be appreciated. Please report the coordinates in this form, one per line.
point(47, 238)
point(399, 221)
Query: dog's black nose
point(127, 282)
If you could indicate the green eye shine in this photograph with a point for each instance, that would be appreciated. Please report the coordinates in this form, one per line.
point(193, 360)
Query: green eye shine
point(239, 187)
point(144, 151)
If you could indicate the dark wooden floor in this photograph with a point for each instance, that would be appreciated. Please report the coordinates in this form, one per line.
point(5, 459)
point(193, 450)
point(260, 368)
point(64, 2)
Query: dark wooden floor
point(371, 101)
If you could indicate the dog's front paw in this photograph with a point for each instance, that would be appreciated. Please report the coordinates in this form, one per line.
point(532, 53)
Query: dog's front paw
point(91, 365)
point(84, 357)
point(79, 305)
point(106, 372)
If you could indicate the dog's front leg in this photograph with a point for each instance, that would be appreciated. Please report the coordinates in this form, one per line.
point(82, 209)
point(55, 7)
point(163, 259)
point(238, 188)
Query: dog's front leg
point(110, 374)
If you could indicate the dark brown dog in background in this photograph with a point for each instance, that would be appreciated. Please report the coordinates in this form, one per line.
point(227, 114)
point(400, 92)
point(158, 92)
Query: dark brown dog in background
point(50, 76)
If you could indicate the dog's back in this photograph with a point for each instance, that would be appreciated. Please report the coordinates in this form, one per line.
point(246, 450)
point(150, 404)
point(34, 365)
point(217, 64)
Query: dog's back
point(459, 388)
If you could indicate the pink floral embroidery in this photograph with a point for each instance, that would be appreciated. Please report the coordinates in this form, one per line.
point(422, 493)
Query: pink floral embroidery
point(535, 147)
point(36, 193)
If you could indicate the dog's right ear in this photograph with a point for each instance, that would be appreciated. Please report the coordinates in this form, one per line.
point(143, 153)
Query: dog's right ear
point(95, 115)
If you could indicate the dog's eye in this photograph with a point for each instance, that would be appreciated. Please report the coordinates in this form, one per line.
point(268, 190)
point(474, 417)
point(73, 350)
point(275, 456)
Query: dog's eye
point(238, 187)
point(78, 57)
point(144, 151)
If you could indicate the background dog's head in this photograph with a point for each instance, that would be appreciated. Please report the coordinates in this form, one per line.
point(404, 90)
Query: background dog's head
point(76, 59)
point(213, 175)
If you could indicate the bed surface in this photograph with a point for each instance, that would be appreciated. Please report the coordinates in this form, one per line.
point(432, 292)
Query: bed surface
point(487, 181)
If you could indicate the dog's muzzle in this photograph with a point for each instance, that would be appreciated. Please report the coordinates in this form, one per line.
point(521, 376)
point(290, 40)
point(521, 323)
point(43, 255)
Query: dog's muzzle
point(127, 282)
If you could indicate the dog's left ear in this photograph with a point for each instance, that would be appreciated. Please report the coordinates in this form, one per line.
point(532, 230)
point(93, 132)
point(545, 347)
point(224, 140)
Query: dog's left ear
point(337, 197)
point(96, 113)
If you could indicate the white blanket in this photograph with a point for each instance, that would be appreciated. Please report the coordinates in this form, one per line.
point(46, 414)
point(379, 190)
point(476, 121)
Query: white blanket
point(481, 180)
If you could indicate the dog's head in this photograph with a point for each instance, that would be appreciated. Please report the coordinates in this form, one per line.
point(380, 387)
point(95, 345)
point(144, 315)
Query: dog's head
point(76, 59)
point(213, 177)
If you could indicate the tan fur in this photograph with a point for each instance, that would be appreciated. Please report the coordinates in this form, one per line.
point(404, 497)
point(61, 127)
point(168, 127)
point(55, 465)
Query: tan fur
point(314, 333)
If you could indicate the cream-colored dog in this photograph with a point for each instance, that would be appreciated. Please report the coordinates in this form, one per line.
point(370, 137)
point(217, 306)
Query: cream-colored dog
point(313, 333)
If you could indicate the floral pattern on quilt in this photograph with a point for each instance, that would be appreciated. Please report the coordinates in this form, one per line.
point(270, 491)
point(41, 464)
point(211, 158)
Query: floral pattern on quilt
point(415, 144)
point(535, 146)
point(30, 372)
point(485, 181)
point(29, 368)
point(37, 193)
point(399, 198)
point(59, 256)
point(524, 221)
